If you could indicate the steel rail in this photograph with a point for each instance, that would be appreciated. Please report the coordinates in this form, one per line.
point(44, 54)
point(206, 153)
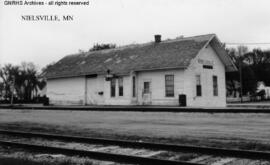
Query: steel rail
point(154, 146)
point(95, 155)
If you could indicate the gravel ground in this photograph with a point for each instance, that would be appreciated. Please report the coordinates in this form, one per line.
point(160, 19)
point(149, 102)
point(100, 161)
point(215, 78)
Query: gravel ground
point(159, 154)
point(59, 159)
point(10, 156)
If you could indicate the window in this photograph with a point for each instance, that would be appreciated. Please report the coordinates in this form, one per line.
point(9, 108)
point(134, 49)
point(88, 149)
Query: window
point(146, 87)
point(207, 66)
point(120, 86)
point(169, 85)
point(215, 86)
point(133, 86)
point(113, 83)
point(198, 85)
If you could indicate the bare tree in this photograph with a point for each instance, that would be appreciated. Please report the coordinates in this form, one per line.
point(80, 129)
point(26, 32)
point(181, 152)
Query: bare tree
point(8, 74)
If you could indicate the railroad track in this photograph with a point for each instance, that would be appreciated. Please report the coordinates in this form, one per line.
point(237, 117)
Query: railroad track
point(94, 154)
point(256, 155)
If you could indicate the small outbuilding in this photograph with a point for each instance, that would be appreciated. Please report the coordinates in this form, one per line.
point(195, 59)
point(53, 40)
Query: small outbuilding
point(189, 71)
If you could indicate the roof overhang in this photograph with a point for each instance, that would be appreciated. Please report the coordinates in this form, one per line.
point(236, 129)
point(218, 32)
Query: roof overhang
point(222, 54)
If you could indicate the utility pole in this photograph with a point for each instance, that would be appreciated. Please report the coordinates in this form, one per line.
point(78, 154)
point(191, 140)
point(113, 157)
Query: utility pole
point(240, 73)
point(12, 90)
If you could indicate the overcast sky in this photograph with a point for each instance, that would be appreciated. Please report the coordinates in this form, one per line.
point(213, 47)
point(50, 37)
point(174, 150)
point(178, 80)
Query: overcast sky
point(125, 22)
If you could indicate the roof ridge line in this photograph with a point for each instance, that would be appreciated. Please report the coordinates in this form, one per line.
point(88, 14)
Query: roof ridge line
point(141, 44)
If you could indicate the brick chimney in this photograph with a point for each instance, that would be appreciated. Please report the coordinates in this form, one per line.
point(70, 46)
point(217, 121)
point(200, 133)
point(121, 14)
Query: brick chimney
point(157, 38)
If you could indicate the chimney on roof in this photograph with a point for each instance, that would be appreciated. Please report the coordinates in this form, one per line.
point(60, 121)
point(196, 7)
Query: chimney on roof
point(157, 38)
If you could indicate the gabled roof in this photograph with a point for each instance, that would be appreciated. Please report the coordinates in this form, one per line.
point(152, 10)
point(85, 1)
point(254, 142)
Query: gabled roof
point(176, 53)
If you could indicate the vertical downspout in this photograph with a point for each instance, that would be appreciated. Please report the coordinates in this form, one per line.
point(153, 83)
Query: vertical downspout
point(134, 99)
point(136, 87)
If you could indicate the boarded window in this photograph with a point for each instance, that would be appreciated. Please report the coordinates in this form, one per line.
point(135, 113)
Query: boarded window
point(169, 85)
point(198, 85)
point(120, 86)
point(215, 86)
point(133, 86)
point(146, 87)
point(113, 83)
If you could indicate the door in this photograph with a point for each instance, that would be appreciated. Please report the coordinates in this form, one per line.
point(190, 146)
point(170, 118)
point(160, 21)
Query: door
point(146, 93)
point(95, 91)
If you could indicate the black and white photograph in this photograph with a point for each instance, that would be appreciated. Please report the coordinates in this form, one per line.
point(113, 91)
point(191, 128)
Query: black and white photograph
point(134, 82)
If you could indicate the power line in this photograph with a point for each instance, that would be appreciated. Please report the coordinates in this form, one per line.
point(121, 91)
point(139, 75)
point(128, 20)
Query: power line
point(247, 43)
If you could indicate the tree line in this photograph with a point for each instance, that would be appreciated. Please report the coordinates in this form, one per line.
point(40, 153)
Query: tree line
point(254, 66)
point(21, 82)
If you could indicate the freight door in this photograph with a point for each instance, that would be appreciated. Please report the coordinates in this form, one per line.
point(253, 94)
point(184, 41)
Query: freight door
point(95, 91)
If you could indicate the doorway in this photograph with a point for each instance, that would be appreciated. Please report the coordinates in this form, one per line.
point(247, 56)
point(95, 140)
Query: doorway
point(147, 93)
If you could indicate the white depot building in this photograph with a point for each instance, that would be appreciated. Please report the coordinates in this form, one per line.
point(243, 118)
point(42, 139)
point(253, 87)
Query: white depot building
point(188, 70)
